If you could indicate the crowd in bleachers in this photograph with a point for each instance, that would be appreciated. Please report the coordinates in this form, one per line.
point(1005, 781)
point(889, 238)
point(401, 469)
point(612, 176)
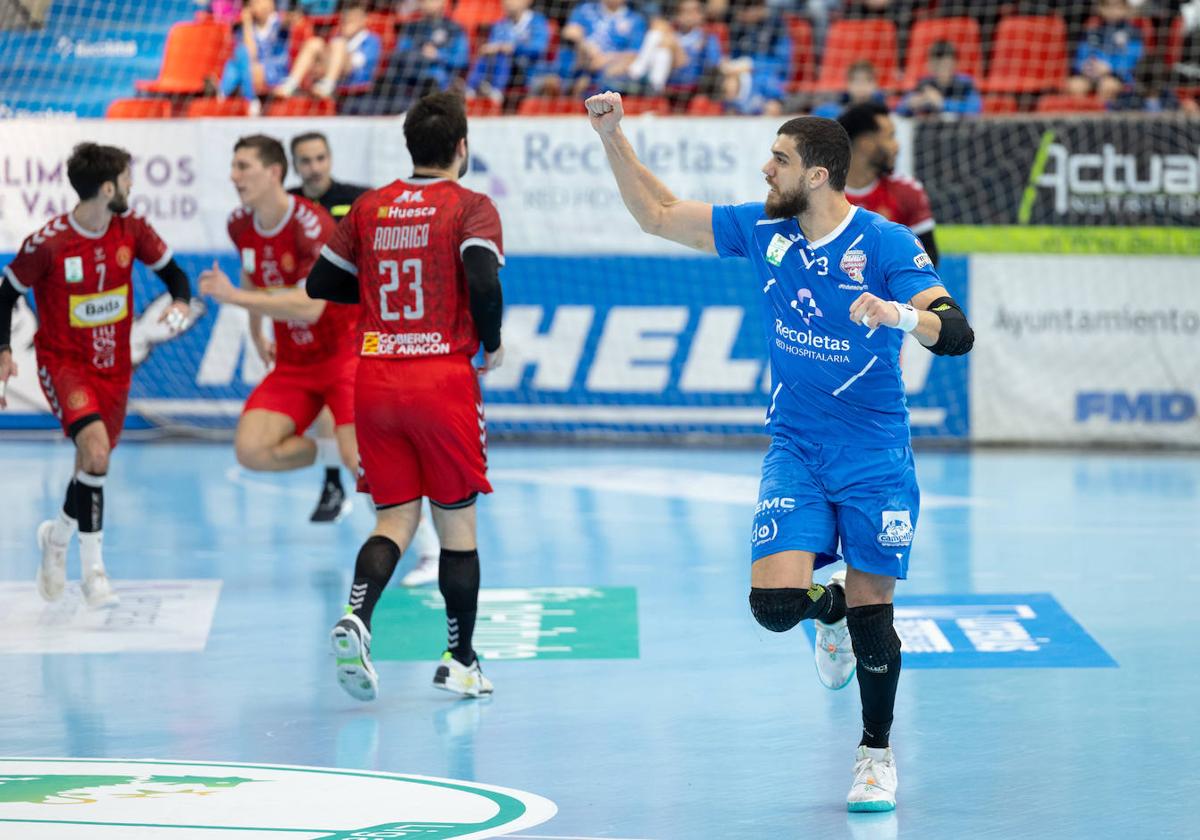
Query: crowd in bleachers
point(948, 59)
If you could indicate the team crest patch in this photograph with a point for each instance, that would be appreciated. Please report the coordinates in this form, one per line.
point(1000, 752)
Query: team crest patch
point(248, 260)
point(897, 529)
point(73, 269)
point(287, 262)
point(776, 248)
point(124, 256)
point(76, 400)
point(853, 262)
point(370, 344)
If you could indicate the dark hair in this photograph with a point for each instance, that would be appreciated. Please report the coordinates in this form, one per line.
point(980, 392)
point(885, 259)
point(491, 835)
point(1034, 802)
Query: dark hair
point(92, 165)
point(942, 49)
point(862, 66)
point(433, 127)
point(862, 118)
point(821, 142)
point(305, 137)
point(270, 150)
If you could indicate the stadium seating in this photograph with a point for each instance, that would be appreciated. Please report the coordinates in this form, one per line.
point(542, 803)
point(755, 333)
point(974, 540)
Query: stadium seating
point(299, 106)
point(471, 15)
point(1029, 55)
point(849, 41)
point(138, 109)
point(550, 106)
point(194, 52)
point(702, 106)
point(1061, 103)
point(963, 32)
point(802, 70)
point(999, 103)
point(483, 107)
point(210, 107)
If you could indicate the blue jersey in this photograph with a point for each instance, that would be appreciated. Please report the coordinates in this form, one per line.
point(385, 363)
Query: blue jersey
point(619, 31)
point(833, 381)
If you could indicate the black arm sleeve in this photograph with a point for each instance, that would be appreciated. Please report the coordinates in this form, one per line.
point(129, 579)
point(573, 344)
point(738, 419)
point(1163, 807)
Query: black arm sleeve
point(957, 338)
point(8, 299)
point(930, 245)
point(176, 281)
point(328, 282)
point(487, 299)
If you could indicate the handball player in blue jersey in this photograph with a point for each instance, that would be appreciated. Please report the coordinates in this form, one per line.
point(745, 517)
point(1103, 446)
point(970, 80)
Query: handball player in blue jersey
point(840, 287)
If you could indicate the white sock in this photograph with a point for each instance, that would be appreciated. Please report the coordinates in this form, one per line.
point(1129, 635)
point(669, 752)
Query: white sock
point(62, 529)
point(425, 540)
point(91, 554)
point(327, 453)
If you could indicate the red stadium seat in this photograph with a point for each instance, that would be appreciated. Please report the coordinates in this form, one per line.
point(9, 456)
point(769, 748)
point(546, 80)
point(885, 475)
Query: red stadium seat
point(472, 14)
point(635, 105)
point(300, 106)
point(1059, 103)
point(544, 106)
point(194, 51)
point(481, 106)
point(802, 69)
point(138, 109)
point(207, 107)
point(702, 106)
point(963, 32)
point(998, 103)
point(849, 41)
point(1029, 55)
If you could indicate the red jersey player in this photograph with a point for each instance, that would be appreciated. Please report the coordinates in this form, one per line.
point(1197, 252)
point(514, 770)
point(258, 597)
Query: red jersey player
point(80, 268)
point(870, 182)
point(279, 237)
point(422, 256)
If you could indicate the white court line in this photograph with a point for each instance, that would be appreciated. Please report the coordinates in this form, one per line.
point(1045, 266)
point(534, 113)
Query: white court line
point(568, 837)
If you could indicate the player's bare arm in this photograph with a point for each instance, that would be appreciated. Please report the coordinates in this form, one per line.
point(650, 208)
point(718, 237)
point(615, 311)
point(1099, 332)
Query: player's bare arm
point(652, 204)
point(940, 324)
point(289, 304)
point(262, 345)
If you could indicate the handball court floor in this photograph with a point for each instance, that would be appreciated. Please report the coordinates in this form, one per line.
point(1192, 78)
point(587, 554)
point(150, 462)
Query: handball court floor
point(1060, 710)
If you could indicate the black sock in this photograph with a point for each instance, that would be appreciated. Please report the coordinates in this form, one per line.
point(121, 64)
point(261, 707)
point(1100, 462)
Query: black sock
point(458, 579)
point(830, 607)
point(373, 569)
point(69, 502)
point(878, 649)
point(89, 502)
point(333, 475)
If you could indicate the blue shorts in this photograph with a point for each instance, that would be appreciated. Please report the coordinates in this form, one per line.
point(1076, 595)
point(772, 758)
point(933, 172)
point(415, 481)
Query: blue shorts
point(838, 501)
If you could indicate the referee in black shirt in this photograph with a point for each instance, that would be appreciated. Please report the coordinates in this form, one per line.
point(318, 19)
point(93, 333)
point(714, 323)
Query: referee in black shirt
point(313, 162)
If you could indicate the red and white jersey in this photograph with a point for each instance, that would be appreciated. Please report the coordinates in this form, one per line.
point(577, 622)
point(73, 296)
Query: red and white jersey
point(898, 199)
point(281, 258)
point(404, 242)
point(82, 283)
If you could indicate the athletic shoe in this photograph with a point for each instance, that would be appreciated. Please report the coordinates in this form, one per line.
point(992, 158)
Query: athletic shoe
point(874, 787)
point(333, 504)
point(836, 662)
point(425, 572)
point(52, 573)
point(454, 676)
point(351, 642)
point(97, 591)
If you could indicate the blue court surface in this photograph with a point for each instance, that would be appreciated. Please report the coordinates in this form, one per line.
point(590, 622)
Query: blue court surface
point(1049, 682)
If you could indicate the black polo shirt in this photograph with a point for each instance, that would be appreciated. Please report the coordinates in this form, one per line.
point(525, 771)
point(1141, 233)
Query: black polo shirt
point(337, 199)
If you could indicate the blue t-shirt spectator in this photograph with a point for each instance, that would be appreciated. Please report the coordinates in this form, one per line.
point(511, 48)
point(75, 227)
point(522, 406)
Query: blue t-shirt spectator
point(524, 42)
point(959, 96)
point(704, 54)
point(1117, 44)
point(430, 50)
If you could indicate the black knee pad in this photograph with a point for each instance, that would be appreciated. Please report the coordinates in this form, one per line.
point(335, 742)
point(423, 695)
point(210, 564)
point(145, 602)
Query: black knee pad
point(782, 609)
point(875, 641)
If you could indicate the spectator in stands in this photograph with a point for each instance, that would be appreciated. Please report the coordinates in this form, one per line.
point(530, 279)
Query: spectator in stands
point(862, 85)
point(431, 55)
point(515, 44)
point(348, 59)
point(600, 41)
point(752, 78)
point(260, 60)
point(680, 53)
point(945, 91)
point(1108, 53)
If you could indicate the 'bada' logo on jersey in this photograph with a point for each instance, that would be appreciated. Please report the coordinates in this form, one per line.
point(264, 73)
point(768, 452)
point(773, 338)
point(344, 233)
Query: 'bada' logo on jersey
point(99, 309)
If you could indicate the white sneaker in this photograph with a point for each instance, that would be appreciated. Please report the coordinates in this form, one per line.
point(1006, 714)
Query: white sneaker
point(874, 787)
point(351, 642)
point(836, 662)
point(425, 572)
point(98, 591)
point(52, 573)
point(452, 675)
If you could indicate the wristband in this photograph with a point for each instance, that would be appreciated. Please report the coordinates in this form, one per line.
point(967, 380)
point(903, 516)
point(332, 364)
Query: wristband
point(908, 316)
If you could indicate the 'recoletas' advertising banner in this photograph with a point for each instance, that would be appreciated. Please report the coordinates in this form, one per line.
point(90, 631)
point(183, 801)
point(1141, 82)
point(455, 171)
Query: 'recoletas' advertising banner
point(1141, 170)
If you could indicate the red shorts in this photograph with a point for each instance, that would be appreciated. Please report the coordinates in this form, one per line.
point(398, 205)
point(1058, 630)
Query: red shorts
point(420, 430)
point(300, 392)
point(76, 393)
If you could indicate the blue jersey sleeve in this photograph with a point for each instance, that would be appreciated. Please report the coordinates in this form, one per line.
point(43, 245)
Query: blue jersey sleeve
point(907, 269)
point(733, 226)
